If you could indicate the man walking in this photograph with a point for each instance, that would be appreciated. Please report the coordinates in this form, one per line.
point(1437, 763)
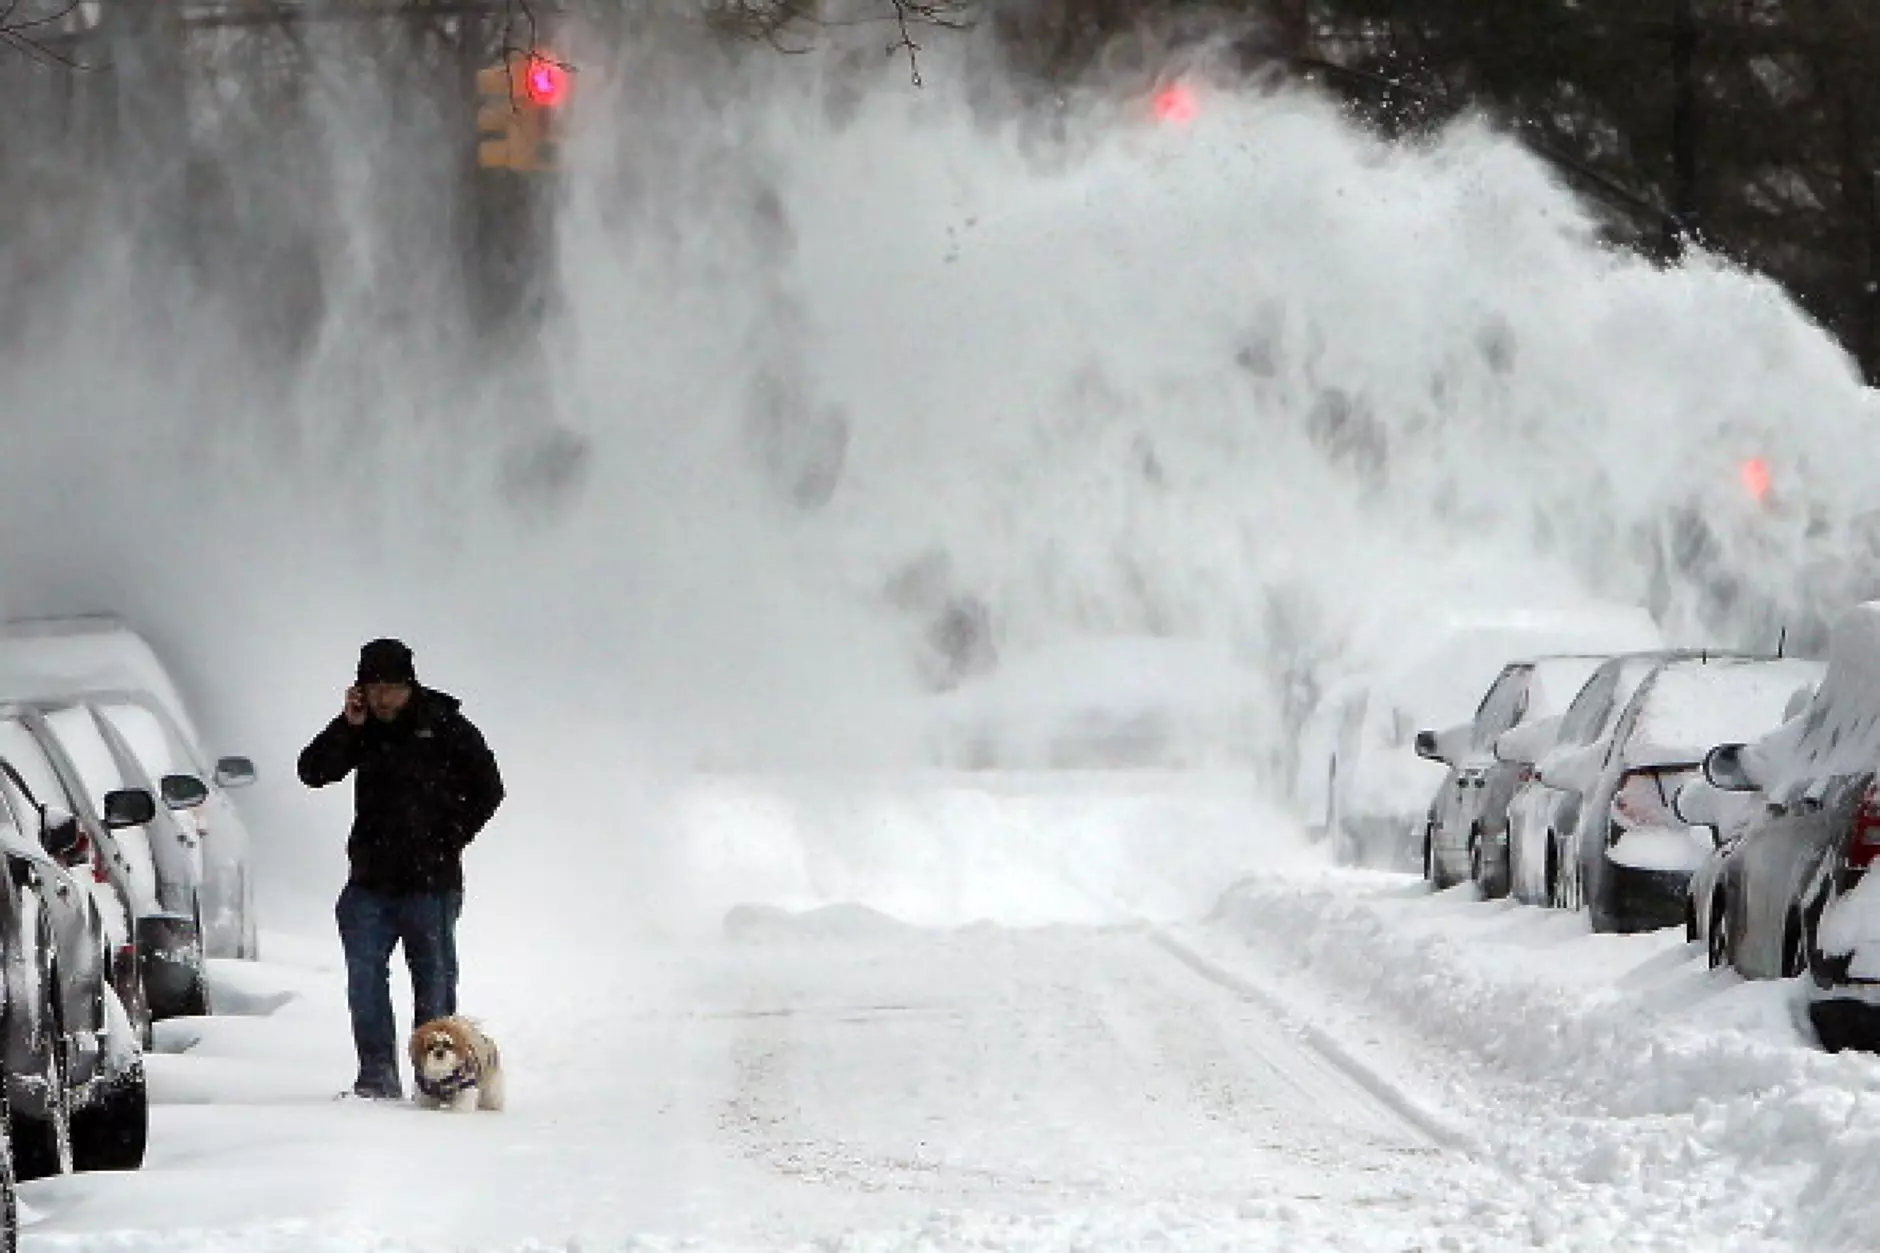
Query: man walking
point(427, 785)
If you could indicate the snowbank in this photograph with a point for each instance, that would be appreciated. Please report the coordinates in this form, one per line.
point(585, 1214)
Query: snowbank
point(1598, 1061)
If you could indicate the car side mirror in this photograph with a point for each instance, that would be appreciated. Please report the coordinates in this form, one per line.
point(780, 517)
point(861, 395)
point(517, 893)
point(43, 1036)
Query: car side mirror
point(1569, 769)
point(1523, 745)
point(1695, 804)
point(1426, 746)
point(129, 807)
point(234, 772)
point(1723, 768)
point(21, 872)
point(183, 791)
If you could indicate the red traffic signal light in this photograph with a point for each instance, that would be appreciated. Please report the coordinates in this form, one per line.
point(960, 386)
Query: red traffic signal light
point(544, 82)
point(523, 102)
point(1755, 475)
point(1175, 103)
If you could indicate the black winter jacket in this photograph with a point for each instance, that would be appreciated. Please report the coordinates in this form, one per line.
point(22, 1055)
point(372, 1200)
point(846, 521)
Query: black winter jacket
point(427, 785)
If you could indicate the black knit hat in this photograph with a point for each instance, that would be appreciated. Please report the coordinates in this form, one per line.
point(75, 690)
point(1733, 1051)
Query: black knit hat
point(386, 661)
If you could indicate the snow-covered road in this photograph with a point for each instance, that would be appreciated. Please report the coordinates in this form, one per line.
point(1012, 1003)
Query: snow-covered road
point(826, 1076)
point(1329, 1060)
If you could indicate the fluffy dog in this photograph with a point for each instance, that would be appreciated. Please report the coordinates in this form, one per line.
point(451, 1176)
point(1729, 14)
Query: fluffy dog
point(457, 1066)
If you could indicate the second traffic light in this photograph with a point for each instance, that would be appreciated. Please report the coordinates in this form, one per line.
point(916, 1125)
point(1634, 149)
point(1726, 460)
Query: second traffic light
point(521, 100)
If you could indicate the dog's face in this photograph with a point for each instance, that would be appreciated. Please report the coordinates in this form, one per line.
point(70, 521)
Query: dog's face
point(439, 1053)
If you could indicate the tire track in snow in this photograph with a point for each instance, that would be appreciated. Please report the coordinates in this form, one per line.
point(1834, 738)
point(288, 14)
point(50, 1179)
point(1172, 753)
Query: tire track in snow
point(1424, 1122)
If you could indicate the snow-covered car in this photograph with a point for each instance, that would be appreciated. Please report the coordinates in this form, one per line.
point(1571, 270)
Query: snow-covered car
point(1633, 856)
point(154, 861)
point(133, 708)
point(1466, 834)
point(1359, 782)
point(104, 859)
point(208, 829)
point(1820, 774)
point(74, 1075)
point(1108, 704)
point(1541, 816)
point(1743, 901)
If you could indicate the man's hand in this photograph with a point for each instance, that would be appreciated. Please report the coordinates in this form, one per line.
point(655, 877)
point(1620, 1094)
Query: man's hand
point(355, 707)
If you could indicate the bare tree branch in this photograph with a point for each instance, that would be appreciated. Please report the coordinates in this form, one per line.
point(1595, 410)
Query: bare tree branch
point(20, 33)
point(907, 13)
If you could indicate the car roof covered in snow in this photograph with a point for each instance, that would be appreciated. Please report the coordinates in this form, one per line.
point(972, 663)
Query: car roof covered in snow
point(1442, 684)
point(1557, 680)
point(56, 657)
point(1693, 704)
point(1838, 731)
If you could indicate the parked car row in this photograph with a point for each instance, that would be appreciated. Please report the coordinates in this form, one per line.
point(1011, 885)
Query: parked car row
point(1733, 794)
point(1574, 809)
point(127, 868)
point(1359, 781)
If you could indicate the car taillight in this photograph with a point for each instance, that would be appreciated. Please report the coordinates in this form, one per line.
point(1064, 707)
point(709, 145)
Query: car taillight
point(1863, 842)
point(1643, 798)
point(79, 851)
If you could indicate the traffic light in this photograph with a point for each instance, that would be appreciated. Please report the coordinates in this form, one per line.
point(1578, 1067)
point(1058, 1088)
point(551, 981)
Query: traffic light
point(1175, 104)
point(1755, 475)
point(520, 102)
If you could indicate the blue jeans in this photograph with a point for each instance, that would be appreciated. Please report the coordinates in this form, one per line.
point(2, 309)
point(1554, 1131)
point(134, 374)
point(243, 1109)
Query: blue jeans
point(371, 925)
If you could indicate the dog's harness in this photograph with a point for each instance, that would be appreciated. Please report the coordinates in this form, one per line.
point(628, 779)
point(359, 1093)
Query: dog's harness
point(461, 1079)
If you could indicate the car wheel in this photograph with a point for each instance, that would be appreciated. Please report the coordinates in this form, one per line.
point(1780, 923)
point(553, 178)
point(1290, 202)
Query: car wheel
point(112, 1132)
point(1719, 949)
point(137, 1006)
point(42, 1145)
point(193, 1001)
point(1794, 950)
point(1515, 888)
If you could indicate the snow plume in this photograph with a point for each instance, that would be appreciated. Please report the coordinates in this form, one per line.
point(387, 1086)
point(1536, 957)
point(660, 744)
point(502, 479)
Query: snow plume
point(847, 387)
